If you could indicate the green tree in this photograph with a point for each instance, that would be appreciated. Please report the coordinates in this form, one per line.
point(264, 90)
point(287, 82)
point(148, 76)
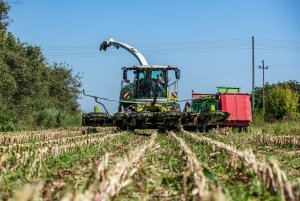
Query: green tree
point(281, 102)
point(259, 97)
point(64, 88)
point(4, 19)
point(33, 93)
point(295, 86)
point(292, 84)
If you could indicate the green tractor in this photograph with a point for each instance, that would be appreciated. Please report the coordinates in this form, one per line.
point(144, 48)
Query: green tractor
point(148, 98)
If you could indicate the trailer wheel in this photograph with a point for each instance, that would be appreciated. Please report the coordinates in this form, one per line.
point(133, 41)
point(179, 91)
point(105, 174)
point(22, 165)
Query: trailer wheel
point(243, 128)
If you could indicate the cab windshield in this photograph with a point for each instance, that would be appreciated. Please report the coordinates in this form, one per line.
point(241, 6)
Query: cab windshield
point(150, 82)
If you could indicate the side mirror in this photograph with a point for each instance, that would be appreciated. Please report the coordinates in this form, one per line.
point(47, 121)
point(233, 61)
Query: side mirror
point(124, 74)
point(177, 74)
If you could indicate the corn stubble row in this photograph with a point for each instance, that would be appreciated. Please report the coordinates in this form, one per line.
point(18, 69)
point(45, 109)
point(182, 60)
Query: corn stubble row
point(34, 158)
point(31, 136)
point(109, 181)
point(204, 189)
point(283, 141)
point(292, 141)
point(271, 176)
point(17, 148)
point(35, 191)
point(27, 137)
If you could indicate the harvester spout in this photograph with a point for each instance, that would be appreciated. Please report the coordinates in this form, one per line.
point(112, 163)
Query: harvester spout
point(132, 50)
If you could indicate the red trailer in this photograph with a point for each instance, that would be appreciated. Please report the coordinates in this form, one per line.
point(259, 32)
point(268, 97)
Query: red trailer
point(238, 106)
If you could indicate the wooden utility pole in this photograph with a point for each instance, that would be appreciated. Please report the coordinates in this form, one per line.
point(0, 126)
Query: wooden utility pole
point(263, 69)
point(253, 97)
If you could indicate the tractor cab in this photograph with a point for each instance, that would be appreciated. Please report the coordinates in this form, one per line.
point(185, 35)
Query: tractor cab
point(146, 83)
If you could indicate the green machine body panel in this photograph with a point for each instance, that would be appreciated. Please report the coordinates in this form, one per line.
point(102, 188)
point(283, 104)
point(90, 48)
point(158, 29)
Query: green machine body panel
point(228, 89)
point(205, 104)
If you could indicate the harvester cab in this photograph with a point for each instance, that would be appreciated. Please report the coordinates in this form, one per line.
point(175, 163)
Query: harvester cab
point(149, 84)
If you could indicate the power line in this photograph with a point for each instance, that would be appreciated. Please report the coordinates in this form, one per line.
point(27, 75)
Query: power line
point(263, 42)
point(286, 66)
point(183, 47)
point(163, 44)
point(155, 48)
point(279, 40)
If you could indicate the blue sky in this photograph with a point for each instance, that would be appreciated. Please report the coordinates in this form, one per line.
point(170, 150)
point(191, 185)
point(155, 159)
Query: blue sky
point(210, 41)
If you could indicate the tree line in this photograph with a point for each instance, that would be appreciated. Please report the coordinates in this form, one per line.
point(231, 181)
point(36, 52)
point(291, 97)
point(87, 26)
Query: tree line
point(282, 100)
point(33, 93)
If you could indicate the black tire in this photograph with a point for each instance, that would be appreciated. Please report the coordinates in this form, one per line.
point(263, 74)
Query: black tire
point(243, 129)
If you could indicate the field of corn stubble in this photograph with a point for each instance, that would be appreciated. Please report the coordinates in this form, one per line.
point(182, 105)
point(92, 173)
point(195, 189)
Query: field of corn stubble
point(107, 164)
